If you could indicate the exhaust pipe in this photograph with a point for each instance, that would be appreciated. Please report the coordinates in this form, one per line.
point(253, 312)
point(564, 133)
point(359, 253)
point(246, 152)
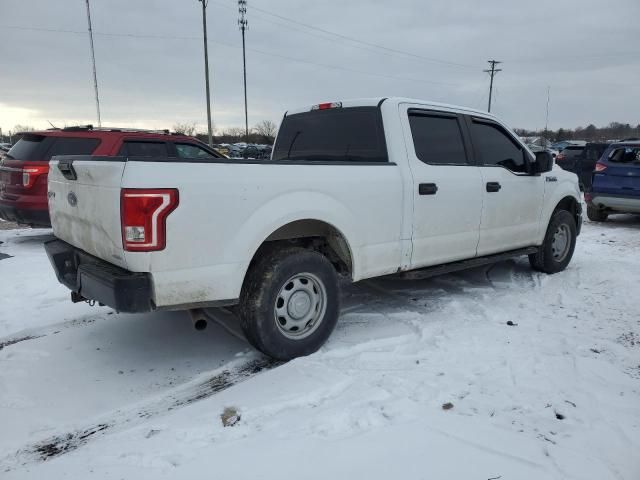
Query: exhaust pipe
point(198, 318)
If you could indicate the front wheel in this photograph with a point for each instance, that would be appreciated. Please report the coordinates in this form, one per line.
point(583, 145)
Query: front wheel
point(289, 303)
point(559, 243)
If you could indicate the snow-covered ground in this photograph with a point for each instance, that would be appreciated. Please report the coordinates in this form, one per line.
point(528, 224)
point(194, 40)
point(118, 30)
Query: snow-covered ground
point(85, 392)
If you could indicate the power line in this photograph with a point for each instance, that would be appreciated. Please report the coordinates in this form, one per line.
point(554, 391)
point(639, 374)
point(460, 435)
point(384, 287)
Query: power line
point(102, 34)
point(261, 52)
point(322, 34)
point(362, 42)
point(492, 71)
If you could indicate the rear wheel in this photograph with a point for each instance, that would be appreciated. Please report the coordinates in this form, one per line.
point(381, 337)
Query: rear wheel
point(559, 243)
point(595, 214)
point(289, 303)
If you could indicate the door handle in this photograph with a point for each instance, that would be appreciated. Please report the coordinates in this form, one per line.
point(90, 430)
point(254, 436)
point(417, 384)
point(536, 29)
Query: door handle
point(493, 186)
point(427, 189)
point(67, 170)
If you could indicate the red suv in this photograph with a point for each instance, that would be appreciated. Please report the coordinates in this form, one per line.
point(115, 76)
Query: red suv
point(23, 172)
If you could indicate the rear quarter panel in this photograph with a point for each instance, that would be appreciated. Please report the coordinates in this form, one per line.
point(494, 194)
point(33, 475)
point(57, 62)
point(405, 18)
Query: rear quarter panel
point(227, 210)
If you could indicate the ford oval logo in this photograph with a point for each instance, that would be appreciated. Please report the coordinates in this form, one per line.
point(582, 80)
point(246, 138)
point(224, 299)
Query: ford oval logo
point(72, 199)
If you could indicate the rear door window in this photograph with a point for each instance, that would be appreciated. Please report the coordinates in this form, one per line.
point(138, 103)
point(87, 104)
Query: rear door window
point(352, 134)
point(71, 146)
point(494, 146)
point(437, 139)
point(132, 148)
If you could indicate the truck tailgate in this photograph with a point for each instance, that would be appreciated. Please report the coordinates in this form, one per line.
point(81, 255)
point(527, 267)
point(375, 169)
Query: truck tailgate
point(84, 204)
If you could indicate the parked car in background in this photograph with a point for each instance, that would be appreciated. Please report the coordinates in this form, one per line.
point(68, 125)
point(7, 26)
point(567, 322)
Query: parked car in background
point(566, 159)
point(223, 148)
point(586, 162)
point(616, 182)
point(353, 190)
point(4, 149)
point(24, 170)
point(266, 151)
point(235, 151)
point(251, 151)
point(565, 143)
point(537, 148)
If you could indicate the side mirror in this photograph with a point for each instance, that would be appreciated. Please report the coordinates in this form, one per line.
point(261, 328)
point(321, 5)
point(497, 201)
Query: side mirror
point(543, 163)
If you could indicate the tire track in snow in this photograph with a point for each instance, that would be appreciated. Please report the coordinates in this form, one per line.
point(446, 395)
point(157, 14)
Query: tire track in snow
point(52, 329)
point(200, 389)
point(14, 340)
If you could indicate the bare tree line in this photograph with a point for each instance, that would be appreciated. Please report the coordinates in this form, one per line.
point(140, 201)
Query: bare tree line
point(590, 133)
point(263, 132)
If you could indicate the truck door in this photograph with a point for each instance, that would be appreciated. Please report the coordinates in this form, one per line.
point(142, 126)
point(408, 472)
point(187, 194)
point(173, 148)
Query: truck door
point(447, 195)
point(513, 198)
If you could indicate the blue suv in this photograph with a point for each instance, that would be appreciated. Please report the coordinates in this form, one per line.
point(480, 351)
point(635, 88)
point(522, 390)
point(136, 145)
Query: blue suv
point(616, 182)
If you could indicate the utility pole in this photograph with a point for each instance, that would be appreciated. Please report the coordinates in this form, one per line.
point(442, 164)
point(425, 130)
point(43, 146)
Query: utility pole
point(244, 25)
point(492, 71)
point(206, 68)
point(93, 62)
point(546, 122)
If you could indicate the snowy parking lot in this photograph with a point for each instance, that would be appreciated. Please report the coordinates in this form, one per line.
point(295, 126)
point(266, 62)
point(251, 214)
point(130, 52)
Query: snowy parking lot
point(497, 372)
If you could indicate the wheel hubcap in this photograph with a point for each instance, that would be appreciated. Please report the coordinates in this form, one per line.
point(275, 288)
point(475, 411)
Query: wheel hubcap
point(300, 306)
point(561, 243)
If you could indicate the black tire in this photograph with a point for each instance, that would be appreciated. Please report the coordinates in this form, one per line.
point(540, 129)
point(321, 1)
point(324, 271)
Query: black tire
point(262, 288)
point(595, 214)
point(546, 259)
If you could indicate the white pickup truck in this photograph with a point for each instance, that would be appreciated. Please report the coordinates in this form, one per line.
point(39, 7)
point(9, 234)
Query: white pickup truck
point(354, 189)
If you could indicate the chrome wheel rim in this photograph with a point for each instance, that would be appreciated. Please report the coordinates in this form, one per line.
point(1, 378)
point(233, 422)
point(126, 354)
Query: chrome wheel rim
point(300, 306)
point(561, 242)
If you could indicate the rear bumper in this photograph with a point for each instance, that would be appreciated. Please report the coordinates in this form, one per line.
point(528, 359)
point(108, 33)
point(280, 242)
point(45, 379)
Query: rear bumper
point(36, 218)
point(616, 203)
point(90, 278)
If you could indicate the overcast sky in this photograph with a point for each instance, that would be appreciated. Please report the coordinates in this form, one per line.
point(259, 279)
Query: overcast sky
point(149, 57)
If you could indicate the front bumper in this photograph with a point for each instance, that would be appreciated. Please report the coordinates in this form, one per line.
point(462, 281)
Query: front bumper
point(35, 218)
point(90, 278)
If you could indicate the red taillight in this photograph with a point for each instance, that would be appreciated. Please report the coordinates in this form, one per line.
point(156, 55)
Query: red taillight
point(587, 197)
point(600, 167)
point(143, 214)
point(559, 157)
point(327, 106)
point(30, 174)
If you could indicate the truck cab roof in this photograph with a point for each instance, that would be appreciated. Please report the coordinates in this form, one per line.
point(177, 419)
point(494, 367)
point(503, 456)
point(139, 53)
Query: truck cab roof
point(376, 101)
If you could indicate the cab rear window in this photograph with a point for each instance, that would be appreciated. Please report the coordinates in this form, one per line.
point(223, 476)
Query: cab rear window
point(352, 134)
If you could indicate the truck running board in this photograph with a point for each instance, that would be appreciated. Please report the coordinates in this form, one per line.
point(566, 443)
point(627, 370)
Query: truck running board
point(464, 264)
